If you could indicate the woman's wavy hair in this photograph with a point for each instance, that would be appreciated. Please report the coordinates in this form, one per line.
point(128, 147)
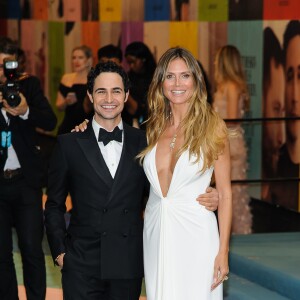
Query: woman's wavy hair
point(204, 131)
point(229, 67)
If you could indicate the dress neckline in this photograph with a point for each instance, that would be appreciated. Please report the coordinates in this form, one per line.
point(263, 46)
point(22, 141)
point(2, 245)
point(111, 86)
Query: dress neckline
point(173, 173)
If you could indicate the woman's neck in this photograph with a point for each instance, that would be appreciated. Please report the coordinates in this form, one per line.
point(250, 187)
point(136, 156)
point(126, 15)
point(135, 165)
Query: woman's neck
point(81, 77)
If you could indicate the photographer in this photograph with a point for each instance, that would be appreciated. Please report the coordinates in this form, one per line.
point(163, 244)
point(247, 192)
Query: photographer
point(23, 108)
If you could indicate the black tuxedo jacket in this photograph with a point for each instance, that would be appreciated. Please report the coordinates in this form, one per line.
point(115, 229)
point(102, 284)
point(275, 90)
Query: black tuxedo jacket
point(105, 231)
point(24, 137)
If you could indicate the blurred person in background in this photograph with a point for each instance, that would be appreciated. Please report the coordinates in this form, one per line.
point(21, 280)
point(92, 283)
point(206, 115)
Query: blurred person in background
point(142, 65)
point(21, 178)
point(72, 92)
point(231, 99)
point(110, 53)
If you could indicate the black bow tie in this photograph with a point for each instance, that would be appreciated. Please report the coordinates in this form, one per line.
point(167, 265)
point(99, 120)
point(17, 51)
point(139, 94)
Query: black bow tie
point(106, 137)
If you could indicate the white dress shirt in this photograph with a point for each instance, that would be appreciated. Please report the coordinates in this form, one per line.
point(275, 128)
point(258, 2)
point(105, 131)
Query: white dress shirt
point(12, 161)
point(112, 151)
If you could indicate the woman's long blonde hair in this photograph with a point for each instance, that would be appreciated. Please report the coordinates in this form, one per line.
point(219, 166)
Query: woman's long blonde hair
point(229, 67)
point(204, 131)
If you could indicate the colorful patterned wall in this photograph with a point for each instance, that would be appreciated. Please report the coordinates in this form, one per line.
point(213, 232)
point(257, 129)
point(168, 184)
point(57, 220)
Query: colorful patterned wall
point(49, 29)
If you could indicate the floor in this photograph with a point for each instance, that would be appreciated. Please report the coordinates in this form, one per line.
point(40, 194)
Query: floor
point(52, 294)
point(267, 218)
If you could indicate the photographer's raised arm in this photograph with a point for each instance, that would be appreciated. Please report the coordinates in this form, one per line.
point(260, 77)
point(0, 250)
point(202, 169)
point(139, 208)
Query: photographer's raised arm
point(40, 112)
point(22, 95)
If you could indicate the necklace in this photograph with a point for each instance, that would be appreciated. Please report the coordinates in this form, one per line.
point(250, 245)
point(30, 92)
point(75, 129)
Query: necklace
point(173, 140)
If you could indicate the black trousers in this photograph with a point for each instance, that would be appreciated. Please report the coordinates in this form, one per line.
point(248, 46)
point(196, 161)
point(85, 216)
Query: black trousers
point(21, 207)
point(83, 286)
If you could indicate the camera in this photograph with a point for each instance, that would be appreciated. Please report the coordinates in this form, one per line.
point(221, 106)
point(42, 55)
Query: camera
point(10, 89)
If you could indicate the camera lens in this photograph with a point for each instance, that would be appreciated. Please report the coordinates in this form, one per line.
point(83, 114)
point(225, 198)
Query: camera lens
point(13, 98)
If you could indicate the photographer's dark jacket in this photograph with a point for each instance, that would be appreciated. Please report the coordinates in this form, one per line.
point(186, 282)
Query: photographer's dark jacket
point(23, 132)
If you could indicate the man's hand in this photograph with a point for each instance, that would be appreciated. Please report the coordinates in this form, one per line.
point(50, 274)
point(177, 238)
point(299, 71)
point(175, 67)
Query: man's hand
point(81, 127)
point(60, 260)
point(210, 199)
point(19, 110)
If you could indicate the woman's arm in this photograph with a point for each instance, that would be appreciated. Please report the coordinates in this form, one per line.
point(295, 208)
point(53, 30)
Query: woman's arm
point(232, 96)
point(223, 185)
point(61, 101)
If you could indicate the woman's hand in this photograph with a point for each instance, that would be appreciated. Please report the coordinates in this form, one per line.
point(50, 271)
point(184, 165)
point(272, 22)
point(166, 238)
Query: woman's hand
point(71, 98)
point(81, 127)
point(221, 269)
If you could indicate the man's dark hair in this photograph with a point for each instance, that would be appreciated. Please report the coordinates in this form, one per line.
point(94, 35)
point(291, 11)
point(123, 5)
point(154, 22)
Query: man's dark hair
point(272, 49)
point(8, 46)
point(107, 67)
point(110, 51)
point(292, 30)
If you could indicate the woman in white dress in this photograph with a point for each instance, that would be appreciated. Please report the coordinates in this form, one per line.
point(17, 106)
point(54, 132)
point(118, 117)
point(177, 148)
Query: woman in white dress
point(185, 254)
point(231, 99)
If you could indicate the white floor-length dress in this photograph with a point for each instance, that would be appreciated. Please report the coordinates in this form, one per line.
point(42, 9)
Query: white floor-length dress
point(181, 238)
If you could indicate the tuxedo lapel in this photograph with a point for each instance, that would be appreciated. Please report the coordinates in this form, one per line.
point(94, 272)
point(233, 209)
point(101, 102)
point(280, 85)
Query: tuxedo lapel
point(90, 148)
point(125, 164)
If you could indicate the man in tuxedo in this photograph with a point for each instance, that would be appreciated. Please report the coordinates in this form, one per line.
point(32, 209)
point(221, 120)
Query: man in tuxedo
point(101, 252)
point(21, 174)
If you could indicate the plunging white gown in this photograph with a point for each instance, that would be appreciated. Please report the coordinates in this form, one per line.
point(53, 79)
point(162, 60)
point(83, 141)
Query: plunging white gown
point(181, 238)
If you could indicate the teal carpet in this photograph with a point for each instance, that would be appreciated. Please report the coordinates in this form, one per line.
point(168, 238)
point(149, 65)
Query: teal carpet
point(266, 266)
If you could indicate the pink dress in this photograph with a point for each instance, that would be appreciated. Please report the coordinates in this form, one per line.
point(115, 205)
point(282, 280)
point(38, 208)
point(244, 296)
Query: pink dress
point(242, 217)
